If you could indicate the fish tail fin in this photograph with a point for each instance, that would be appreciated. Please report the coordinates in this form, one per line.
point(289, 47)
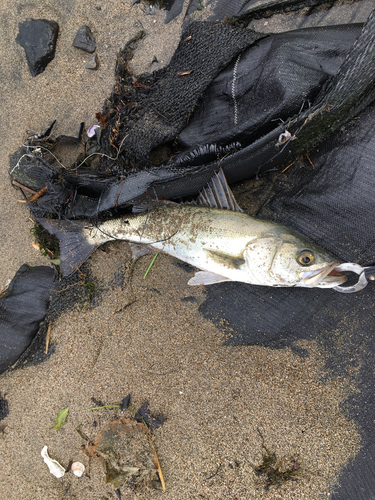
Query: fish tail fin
point(76, 244)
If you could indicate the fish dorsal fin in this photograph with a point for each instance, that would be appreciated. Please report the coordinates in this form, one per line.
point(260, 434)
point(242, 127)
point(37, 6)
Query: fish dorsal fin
point(218, 194)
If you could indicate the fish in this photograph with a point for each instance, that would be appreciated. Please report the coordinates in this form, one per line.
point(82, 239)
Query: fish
point(213, 235)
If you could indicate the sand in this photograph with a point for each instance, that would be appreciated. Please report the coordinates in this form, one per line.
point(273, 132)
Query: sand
point(143, 338)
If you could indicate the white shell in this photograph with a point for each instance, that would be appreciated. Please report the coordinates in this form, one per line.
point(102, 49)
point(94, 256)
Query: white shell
point(91, 130)
point(54, 467)
point(77, 468)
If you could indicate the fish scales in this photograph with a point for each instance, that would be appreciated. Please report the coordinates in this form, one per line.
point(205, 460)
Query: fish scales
point(200, 236)
point(224, 243)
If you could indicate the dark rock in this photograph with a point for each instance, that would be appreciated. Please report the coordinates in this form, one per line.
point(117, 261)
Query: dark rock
point(125, 403)
point(38, 38)
point(85, 40)
point(93, 63)
point(4, 407)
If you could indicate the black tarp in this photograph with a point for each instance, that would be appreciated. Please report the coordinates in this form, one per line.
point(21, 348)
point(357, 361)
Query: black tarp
point(23, 307)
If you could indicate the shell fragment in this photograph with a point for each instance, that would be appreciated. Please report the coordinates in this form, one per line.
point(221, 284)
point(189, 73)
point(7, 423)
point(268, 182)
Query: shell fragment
point(54, 467)
point(78, 469)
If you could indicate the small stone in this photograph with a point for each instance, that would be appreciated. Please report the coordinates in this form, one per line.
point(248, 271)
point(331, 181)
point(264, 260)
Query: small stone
point(125, 403)
point(85, 40)
point(38, 38)
point(93, 63)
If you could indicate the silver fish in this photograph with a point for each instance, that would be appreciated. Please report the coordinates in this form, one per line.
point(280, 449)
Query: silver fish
point(226, 245)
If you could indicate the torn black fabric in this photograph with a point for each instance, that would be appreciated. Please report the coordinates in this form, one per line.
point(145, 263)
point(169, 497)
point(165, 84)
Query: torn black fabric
point(23, 307)
point(171, 96)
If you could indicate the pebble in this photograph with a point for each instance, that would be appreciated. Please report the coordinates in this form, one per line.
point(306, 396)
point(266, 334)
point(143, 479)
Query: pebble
point(93, 63)
point(85, 40)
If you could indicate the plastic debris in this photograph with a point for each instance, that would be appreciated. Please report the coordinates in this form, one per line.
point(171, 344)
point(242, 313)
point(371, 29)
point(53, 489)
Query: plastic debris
point(77, 468)
point(54, 467)
point(22, 309)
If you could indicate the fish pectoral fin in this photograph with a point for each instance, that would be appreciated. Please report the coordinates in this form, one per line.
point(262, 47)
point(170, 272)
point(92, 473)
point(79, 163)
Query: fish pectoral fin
point(206, 278)
point(140, 250)
point(225, 259)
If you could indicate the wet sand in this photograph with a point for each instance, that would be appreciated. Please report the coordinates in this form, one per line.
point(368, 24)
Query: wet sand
point(144, 338)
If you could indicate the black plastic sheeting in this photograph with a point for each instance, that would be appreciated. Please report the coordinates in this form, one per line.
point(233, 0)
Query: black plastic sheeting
point(274, 79)
point(23, 307)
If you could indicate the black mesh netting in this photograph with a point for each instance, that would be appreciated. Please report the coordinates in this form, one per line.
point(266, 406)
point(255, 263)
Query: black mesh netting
point(251, 104)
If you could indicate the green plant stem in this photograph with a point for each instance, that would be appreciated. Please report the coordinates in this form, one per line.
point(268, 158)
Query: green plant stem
point(100, 407)
point(149, 267)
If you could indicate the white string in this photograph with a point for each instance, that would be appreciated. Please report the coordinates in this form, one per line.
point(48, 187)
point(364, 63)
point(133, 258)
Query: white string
point(234, 88)
point(58, 161)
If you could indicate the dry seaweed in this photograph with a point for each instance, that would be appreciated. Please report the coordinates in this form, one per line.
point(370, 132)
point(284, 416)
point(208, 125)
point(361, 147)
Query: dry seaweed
point(276, 471)
point(127, 453)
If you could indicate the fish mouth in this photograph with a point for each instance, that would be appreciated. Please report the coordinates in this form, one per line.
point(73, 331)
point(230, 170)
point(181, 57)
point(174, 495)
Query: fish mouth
point(327, 277)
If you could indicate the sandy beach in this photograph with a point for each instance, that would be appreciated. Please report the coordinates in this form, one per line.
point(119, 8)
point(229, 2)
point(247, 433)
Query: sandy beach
point(146, 337)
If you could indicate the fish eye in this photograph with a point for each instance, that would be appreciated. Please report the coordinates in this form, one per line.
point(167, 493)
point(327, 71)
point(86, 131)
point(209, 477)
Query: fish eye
point(305, 258)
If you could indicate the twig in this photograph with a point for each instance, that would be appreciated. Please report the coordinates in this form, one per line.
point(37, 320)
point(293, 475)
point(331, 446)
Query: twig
point(286, 168)
point(4, 289)
point(48, 335)
point(25, 188)
point(38, 194)
point(157, 459)
point(311, 163)
point(215, 473)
